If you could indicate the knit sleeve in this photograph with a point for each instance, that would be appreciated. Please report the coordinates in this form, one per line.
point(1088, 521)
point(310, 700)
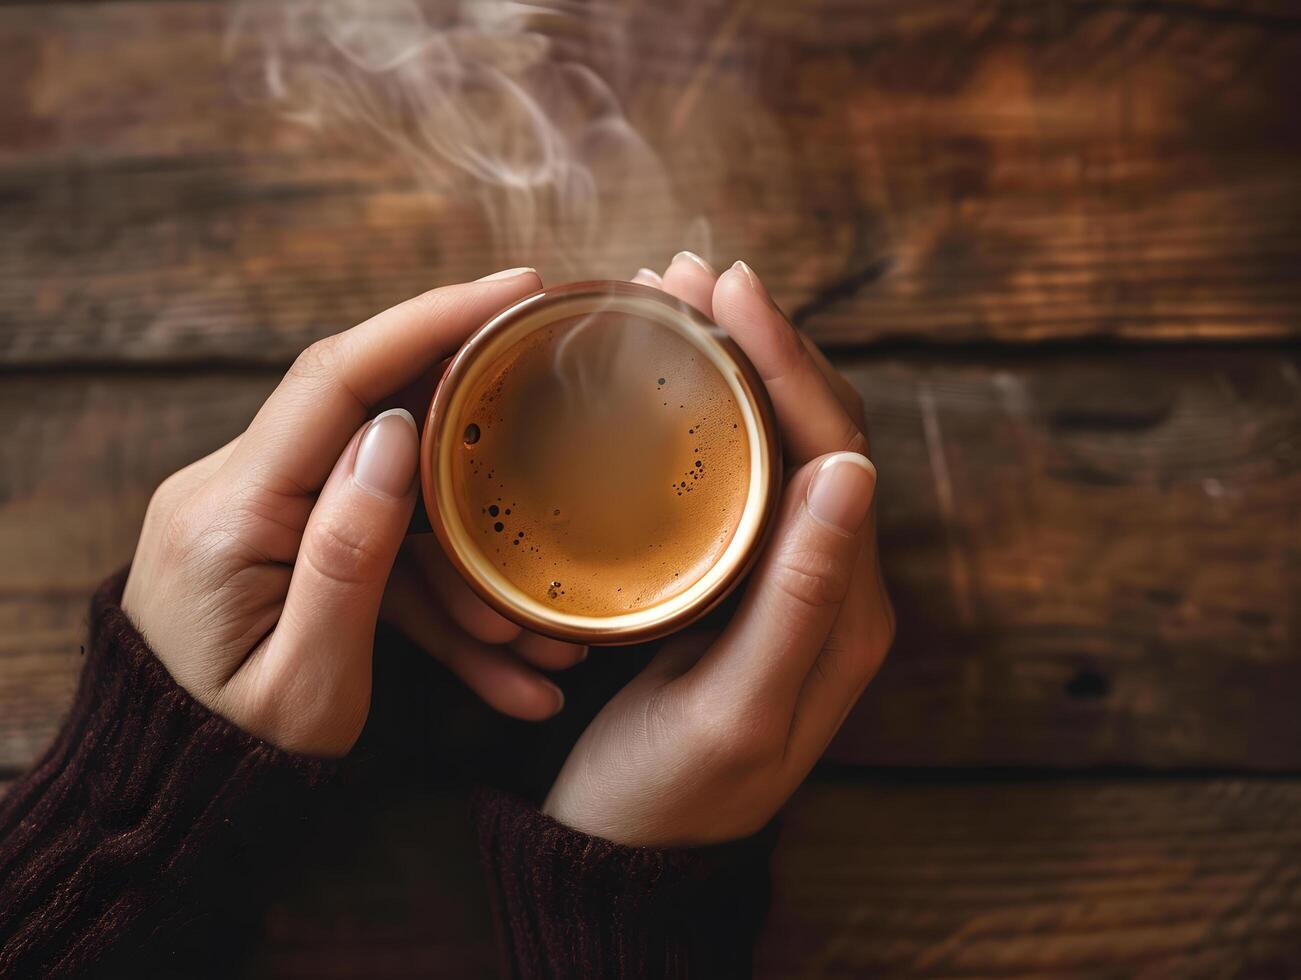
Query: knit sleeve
point(143, 787)
point(570, 905)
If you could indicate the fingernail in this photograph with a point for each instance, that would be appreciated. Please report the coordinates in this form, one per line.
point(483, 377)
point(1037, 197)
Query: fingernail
point(649, 276)
point(750, 277)
point(560, 698)
point(754, 283)
point(693, 257)
point(508, 274)
point(840, 493)
point(386, 458)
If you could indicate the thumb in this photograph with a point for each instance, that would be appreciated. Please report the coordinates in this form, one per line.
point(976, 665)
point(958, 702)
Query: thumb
point(315, 671)
point(797, 589)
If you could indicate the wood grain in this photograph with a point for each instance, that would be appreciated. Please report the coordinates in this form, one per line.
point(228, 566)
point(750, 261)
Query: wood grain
point(1146, 877)
point(1095, 555)
point(938, 172)
point(1094, 558)
point(1132, 878)
point(1102, 551)
point(402, 895)
point(80, 459)
point(1055, 878)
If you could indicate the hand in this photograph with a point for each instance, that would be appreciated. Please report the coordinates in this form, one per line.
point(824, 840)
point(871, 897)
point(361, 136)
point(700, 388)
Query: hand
point(261, 568)
point(428, 601)
point(708, 742)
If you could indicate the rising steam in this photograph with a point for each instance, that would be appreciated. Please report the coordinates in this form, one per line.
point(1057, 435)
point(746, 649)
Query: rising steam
point(484, 100)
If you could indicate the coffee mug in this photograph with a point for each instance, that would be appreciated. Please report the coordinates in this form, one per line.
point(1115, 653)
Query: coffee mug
point(601, 463)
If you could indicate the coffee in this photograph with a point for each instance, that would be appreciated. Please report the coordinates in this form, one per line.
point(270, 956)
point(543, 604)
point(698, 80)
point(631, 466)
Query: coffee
point(603, 464)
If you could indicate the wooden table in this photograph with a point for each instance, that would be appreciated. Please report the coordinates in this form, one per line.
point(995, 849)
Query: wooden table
point(1055, 246)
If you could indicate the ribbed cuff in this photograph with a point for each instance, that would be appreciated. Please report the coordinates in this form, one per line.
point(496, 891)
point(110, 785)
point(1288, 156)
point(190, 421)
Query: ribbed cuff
point(142, 786)
point(570, 905)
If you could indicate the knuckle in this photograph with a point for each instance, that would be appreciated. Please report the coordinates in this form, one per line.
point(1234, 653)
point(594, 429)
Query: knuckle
point(194, 538)
point(317, 361)
point(179, 534)
point(431, 304)
point(342, 554)
point(323, 367)
point(731, 737)
point(166, 498)
point(169, 492)
point(810, 579)
point(855, 441)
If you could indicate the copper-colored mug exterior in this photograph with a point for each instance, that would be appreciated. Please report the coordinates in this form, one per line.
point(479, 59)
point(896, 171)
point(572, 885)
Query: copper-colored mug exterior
point(442, 437)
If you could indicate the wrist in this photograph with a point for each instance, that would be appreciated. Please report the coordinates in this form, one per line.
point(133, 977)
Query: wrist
point(573, 904)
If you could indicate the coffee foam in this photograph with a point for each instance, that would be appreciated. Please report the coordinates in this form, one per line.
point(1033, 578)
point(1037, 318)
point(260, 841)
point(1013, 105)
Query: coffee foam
point(603, 465)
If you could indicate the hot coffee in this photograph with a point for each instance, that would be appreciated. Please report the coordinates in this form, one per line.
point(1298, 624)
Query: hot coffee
point(601, 463)
point(604, 464)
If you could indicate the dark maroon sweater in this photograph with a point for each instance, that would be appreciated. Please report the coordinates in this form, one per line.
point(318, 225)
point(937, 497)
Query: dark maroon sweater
point(112, 844)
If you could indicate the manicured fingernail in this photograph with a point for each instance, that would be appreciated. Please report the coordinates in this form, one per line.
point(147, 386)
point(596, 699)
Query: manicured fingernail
point(508, 274)
point(386, 458)
point(840, 492)
point(755, 284)
point(649, 276)
point(751, 279)
point(694, 258)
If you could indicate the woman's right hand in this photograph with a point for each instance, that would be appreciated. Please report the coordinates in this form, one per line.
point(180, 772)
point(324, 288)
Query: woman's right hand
point(707, 743)
point(261, 569)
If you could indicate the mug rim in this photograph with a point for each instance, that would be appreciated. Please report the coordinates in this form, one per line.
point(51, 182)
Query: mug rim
point(673, 613)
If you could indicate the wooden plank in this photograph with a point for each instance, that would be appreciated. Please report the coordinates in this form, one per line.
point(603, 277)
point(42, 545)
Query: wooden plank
point(1101, 551)
point(1094, 558)
point(1144, 877)
point(1091, 878)
point(80, 461)
point(944, 172)
point(403, 896)
point(1124, 877)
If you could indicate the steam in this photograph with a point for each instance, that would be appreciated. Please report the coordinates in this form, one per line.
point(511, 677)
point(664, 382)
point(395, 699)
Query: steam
point(485, 101)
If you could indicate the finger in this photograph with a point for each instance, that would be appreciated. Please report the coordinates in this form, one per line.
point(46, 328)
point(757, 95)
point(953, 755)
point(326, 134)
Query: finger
point(549, 654)
point(319, 655)
point(333, 385)
point(466, 609)
point(845, 392)
point(648, 277)
point(480, 621)
point(850, 658)
point(810, 415)
point(503, 682)
point(691, 279)
point(797, 589)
